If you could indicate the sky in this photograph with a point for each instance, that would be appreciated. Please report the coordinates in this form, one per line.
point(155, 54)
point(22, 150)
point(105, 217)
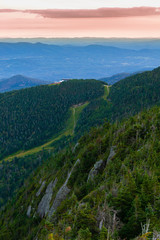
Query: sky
point(85, 18)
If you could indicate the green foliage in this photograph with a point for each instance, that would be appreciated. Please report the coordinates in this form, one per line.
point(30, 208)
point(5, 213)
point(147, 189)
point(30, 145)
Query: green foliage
point(134, 94)
point(128, 185)
point(31, 116)
point(93, 115)
point(103, 234)
point(85, 219)
point(123, 193)
point(126, 98)
point(84, 234)
point(14, 173)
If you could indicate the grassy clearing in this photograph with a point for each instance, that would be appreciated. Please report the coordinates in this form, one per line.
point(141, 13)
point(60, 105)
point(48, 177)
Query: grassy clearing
point(69, 130)
point(78, 111)
point(106, 92)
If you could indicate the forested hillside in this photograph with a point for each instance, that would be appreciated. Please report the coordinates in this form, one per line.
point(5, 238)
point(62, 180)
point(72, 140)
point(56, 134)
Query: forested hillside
point(116, 78)
point(105, 187)
point(49, 117)
point(135, 93)
point(38, 122)
point(31, 116)
point(126, 98)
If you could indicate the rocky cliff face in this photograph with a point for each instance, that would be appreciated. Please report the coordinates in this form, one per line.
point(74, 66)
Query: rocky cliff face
point(62, 193)
point(108, 192)
point(44, 204)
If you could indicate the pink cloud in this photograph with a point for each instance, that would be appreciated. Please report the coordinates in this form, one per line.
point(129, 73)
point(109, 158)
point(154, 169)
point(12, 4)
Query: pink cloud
point(9, 10)
point(98, 13)
point(136, 24)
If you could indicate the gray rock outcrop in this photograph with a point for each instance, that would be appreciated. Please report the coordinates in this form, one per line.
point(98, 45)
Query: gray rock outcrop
point(29, 211)
point(101, 164)
point(75, 147)
point(62, 193)
point(41, 188)
point(44, 204)
point(94, 171)
point(111, 154)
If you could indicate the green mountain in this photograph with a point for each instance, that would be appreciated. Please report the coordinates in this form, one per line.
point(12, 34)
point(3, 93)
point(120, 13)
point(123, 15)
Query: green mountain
point(126, 98)
point(135, 93)
point(106, 187)
point(34, 123)
point(18, 82)
point(31, 116)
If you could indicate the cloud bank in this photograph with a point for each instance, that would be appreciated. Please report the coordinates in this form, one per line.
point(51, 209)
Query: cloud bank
point(98, 13)
point(91, 13)
point(141, 22)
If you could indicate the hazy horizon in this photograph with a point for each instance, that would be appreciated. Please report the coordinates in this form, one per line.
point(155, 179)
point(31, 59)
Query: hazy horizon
point(131, 43)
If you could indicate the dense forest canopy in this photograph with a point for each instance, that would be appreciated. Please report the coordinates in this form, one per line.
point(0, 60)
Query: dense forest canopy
point(31, 116)
point(112, 189)
point(135, 93)
point(126, 98)
point(105, 186)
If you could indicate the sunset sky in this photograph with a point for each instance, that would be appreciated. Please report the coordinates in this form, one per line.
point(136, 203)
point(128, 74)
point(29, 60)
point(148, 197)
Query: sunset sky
point(85, 18)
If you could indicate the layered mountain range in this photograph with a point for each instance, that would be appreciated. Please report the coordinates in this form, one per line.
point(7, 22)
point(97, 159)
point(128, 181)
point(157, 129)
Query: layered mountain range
point(54, 62)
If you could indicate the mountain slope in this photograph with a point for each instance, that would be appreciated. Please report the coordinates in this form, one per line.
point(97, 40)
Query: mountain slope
point(19, 82)
point(106, 187)
point(63, 135)
point(32, 116)
point(46, 119)
point(35, 123)
point(126, 98)
point(117, 77)
point(135, 93)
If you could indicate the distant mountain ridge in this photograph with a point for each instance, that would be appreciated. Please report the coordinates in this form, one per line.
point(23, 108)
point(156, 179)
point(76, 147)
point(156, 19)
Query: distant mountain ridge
point(18, 82)
point(53, 62)
point(117, 77)
point(128, 43)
